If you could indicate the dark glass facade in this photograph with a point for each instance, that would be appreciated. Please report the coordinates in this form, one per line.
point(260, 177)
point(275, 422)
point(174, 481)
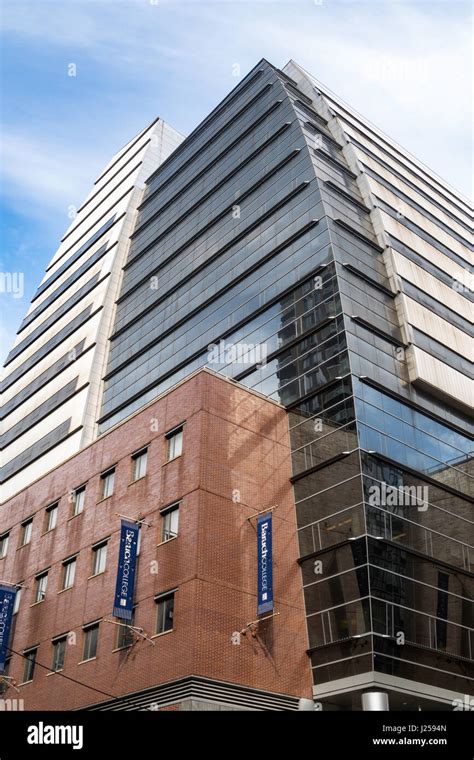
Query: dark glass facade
point(254, 233)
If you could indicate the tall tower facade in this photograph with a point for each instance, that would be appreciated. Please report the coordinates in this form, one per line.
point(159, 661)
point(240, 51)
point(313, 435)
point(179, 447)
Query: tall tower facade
point(291, 246)
point(51, 382)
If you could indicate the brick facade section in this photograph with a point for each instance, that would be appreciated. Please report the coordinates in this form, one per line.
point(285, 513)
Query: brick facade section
point(235, 462)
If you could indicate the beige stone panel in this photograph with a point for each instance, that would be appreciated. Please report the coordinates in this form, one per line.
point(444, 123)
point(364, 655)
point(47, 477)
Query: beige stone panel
point(430, 373)
point(86, 332)
point(356, 125)
point(403, 187)
point(81, 368)
point(158, 140)
point(421, 221)
point(98, 269)
point(436, 327)
point(400, 265)
point(70, 409)
point(456, 204)
point(39, 467)
point(370, 135)
point(423, 248)
point(83, 232)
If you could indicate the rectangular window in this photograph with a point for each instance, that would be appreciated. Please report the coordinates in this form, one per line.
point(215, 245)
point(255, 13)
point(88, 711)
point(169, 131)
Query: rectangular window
point(29, 667)
point(26, 529)
point(4, 545)
point(79, 497)
point(139, 461)
point(91, 635)
point(125, 634)
point(170, 522)
point(16, 605)
point(4, 684)
point(69, 572)
point(108, 482)
point(99, 558)
point(175, 443)
point(59, 652)
point(164, 613)
point(51, 517)
point(41, 584)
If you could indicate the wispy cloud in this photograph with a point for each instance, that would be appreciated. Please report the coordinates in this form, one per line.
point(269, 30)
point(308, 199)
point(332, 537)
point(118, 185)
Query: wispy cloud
point(40, 177)
point(404, 64)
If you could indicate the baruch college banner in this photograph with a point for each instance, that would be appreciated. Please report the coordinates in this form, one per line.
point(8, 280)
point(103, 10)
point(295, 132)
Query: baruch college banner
point(123, 605)
point(264, 558)
point(7, 600)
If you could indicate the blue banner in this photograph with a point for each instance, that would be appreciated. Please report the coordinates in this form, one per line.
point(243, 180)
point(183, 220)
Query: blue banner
point(124, 588)
point(7, 601)
point(265, 562)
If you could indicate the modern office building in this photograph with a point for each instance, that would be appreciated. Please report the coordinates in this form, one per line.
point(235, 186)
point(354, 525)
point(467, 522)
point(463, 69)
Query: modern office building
point(52, 377)
point(196, 466)
point(293, 248)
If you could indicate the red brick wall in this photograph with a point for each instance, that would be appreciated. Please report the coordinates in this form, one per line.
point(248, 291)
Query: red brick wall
point(235, 462)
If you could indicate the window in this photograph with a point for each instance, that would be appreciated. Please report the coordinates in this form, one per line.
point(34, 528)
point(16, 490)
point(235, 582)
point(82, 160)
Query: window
point(99, 558)
point(139, 464)
point(26, 528)
point(59, 651)
point(4, 683)
point(16, 604)
point(30, 662)
point(170, 522)
point(4, 545)
point(175, 443)
point(78, 499)
point(51, 517)
point(108, 481)
point(41, 583)
point(164, 616)
point(91, 635)
point(125, 634)
point(69, 572)
point(139, 542)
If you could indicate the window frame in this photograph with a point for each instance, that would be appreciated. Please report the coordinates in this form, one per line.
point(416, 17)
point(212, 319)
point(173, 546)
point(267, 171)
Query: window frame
point(26, 532)
point(164, 512)
point(4, 542)
point(95, 549)
point(4, 683)
point(170, 436)
point(66, 563)
point(57, 642)
point(159, 600)
point(75, 511)
point(17, 602)
point(136, 458)
point(124, 629)
point(104, 478)
point(38, 590)
point(29, 664)
point(86, 630)
point(51, 515)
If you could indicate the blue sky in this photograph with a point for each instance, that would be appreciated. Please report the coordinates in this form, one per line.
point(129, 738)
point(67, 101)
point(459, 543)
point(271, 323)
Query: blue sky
point(405, 65)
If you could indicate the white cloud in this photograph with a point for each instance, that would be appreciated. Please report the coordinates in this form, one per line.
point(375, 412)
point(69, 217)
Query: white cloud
point(39, 177)
point(402, 64)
